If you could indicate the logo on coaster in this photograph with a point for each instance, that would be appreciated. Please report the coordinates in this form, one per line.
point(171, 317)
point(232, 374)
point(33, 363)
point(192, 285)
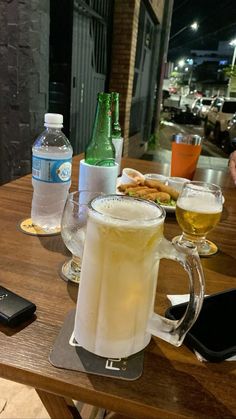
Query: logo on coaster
point(67, 353)
point(27, 227)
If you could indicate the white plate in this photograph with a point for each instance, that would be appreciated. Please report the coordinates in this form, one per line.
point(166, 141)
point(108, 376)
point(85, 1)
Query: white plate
point(167, 208)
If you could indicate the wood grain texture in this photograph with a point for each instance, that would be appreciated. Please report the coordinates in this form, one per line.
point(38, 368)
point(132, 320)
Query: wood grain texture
point(174, 383)
point(57, 406)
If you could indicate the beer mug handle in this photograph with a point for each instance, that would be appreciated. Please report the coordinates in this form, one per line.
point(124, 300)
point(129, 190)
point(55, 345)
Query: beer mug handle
point(174, 331)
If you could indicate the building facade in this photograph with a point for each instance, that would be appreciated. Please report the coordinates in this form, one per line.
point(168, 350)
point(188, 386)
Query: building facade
point(24, 58)
point(56, 57)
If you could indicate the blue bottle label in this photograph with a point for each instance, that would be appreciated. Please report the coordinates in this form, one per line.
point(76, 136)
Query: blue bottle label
point(51, 170)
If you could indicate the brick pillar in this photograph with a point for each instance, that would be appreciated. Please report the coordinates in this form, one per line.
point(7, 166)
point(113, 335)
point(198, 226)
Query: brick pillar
point(125, 24)
point(24, 57)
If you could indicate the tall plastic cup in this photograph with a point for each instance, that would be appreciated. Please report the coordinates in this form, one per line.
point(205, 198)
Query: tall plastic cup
point(186, 149)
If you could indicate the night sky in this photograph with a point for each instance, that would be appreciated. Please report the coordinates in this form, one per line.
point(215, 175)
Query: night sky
point(217, 22)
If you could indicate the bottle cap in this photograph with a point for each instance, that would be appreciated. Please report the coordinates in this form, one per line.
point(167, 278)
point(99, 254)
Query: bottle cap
point(53, 120)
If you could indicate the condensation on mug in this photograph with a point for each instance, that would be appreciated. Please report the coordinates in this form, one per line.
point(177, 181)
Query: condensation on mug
point(115, 308)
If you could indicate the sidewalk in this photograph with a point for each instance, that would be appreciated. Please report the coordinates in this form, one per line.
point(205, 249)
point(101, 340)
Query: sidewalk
point(211, 156)
point(20, 402)
point(164, 156)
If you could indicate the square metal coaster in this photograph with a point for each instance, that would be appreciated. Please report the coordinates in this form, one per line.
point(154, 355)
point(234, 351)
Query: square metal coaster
point(68, 355)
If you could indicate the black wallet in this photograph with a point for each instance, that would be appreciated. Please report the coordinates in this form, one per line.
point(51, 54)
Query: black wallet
point(213, 334)
point(14, 309)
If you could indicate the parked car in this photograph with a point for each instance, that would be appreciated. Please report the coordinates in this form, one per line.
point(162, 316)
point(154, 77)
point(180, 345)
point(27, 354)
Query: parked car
point(185, 116)
point(232, 133)
point(201, 106)
point(178, 102)
point(218, 117)
point(229, 141)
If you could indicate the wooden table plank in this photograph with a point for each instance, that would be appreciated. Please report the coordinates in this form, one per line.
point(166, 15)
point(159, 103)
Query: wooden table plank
point(174, 382)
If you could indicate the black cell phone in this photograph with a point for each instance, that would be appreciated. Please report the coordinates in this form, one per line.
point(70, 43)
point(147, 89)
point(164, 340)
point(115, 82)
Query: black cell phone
point(14, 309)
point(213, 334)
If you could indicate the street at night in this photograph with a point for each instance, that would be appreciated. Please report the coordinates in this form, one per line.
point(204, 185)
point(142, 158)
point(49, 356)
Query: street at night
point(211, 155)
point(170, 128)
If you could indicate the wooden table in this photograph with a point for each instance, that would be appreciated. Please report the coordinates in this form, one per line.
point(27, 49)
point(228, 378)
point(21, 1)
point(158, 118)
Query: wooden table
point(174, 383)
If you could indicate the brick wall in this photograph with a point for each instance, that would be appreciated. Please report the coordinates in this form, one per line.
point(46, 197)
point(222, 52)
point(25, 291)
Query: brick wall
point(24, 73)
point(125, 24)
point(24, 58)
point(126, 15)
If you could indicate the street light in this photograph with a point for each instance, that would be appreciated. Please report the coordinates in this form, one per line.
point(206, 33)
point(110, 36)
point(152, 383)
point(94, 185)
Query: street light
point(181, 63)
point(194, 26)
point(189, 68)
point(233, 44)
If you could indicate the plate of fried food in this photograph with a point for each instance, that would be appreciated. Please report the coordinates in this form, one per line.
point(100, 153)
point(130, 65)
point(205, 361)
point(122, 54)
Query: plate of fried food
point(150, 189)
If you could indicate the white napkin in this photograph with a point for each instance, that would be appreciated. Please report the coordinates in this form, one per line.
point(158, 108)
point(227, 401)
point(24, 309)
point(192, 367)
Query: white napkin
point(183, 298)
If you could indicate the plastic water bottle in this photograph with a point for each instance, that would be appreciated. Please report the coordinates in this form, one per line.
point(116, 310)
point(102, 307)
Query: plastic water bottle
point(51, 174)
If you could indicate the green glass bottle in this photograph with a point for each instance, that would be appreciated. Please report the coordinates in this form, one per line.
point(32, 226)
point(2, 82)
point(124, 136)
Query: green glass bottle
point(116, 129)
point(100, 150)
point(117, 138)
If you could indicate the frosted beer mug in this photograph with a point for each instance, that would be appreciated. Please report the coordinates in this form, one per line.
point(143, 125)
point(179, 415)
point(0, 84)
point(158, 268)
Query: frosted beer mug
point(123, 245)
point(186, 149)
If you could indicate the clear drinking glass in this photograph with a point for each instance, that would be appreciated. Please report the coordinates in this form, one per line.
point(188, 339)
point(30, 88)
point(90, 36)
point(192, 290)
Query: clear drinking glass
point(198, 210)
point(73, 230)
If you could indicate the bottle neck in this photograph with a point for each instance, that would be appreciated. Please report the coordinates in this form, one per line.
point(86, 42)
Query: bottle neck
point(102, 123)
point(49, 128)
point(116, 111)
point(116, 129)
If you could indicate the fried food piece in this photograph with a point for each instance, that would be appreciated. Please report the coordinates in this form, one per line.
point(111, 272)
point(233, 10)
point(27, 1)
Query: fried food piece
point(152, 190)
point(160, 196)
point(153, 183)
point(139, 180)
point(136, 189)
point(124, 186)
point(132, 188)
point(172, 192)
point(140, 192)
point(162, 188)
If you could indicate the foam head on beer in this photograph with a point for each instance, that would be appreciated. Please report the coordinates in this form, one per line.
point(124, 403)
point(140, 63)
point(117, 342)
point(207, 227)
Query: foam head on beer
point(132, 210)
point(200, 200)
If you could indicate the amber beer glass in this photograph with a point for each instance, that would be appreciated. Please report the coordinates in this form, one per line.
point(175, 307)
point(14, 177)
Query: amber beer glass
point(198, 210)
point(186, 150)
